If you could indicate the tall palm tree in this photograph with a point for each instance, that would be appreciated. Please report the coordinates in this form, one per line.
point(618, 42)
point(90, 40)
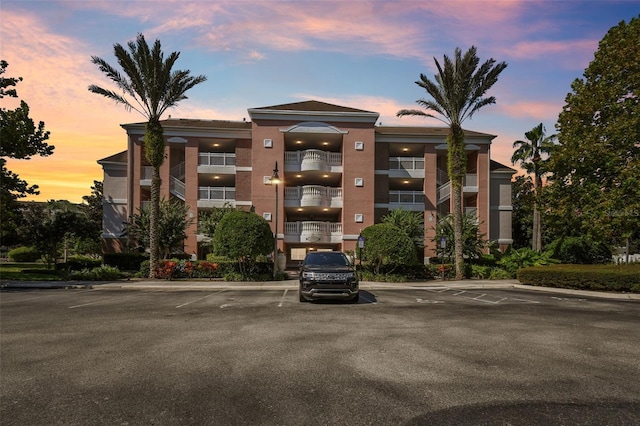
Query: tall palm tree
point(529, 154)
point(148, 86)
point(457, 93)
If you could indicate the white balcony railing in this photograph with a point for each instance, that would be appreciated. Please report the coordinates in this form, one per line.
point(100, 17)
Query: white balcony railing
point(313, 196)
point(219, 159)
point(216, 196)
point(312, 159)
point(406, 163)
point(223, 193)
point(406, 197)
point(313, 232)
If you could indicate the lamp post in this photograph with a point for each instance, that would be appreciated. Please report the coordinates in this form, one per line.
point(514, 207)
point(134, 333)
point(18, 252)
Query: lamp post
point(275, 180)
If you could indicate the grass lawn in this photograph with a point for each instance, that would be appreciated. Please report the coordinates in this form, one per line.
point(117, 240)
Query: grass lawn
point(27, 272)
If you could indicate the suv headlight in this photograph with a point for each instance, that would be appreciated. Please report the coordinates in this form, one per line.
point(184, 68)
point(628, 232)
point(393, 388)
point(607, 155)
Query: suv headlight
point(308, 275)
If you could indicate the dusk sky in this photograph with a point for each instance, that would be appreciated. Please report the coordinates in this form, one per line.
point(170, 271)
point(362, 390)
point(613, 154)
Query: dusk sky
point(360, 54)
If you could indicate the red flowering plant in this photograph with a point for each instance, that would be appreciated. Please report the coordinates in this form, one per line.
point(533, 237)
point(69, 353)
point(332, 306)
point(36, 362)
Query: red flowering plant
point(166, 269)
point(206, 269)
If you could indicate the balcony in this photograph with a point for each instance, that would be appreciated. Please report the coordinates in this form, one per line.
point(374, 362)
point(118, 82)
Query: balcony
point(216, 196)
point(313, 232)
point(408, 200)
point(443, 191)
point(216, 162)
point(406, 167)
point(313, 160)
point(313, 196)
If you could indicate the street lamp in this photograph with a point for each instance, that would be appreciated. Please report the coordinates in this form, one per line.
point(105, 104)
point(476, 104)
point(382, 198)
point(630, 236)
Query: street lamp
point(275, 180)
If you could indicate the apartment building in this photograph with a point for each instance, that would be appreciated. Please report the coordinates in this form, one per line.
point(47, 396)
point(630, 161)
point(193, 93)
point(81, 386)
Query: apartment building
point(338, 171)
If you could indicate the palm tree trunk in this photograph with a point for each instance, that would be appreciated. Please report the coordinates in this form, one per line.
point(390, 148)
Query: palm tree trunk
point(457, 165)
point(536, 244)
point(154, 215)
point(154, 153)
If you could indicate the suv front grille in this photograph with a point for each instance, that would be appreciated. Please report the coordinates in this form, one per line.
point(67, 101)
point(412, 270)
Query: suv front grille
point(328, 276)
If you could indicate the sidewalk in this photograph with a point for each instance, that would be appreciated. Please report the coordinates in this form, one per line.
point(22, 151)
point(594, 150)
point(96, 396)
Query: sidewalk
point(293, 285)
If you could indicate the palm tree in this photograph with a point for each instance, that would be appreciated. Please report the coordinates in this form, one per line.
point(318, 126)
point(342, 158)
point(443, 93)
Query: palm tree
point(457, 93)
point(148, 86)
point(529, 155)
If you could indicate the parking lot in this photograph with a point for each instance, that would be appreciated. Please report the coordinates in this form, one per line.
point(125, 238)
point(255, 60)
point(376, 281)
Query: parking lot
point(434, 355)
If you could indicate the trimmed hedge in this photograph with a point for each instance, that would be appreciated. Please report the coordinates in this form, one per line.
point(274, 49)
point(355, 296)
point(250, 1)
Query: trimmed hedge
point(24, 254)
point(624, 278)
point(78, 263)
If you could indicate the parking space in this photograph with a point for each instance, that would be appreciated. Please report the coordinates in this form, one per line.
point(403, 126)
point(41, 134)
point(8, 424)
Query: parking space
point(259, 356)
point(229, 298)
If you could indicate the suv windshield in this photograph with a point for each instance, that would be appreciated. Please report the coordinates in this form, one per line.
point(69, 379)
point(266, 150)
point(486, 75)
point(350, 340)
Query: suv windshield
point(326, 258)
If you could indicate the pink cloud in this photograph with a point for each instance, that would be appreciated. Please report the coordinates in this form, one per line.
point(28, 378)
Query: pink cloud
point(542, 111)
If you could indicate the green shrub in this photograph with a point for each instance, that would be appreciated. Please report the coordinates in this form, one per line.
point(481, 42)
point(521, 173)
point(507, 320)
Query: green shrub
point(24, 254)
point(126, 261)
point(77, 263)
point(580, 250)
point(524, 257)
point(101, 273)
point(387, 248)
point(584, 277)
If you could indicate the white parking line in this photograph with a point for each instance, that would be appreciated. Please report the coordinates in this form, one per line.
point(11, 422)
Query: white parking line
point(197, 300)
point(283, 296)
point(524, 300)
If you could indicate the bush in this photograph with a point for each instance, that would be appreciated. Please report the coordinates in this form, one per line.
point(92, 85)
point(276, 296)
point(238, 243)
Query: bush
point(101, 273)
point(126, 261)
point(523, 258)
point(24, 254)
point(387, 247)
point(584, 277)
point(77, 263)
point(580, 250)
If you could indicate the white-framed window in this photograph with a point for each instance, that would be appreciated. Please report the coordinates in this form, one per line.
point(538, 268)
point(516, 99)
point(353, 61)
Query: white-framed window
point(359, 145)
point(266, 216)
point(268, 143)
point(359, 218)
point(359, 182)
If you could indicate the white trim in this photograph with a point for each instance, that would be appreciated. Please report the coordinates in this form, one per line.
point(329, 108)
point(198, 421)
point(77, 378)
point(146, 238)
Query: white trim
point(358, 218)
point(313, 127)
point(267, 216)
point(268, 143)
point(359, 145)
point(359, 182)
point(177, 139)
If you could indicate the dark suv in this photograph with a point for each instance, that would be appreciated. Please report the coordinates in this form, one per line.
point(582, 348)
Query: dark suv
point(328, 274)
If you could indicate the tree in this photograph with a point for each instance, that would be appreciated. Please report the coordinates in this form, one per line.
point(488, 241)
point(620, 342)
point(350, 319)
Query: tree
point(595, 185)
point(20, 138)
point(412, 223)
point(208, 220)
point(529, 153)
point(94, 211)
point(242, 236)
point(457, 93)
point(53, 226)
point(522, 198)
point(387, 245)
point(473, 242)
point(173, 222)
point(148, 86)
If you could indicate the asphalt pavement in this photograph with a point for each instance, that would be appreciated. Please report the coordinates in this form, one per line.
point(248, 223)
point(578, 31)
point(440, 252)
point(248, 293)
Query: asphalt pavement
point(205, 285)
